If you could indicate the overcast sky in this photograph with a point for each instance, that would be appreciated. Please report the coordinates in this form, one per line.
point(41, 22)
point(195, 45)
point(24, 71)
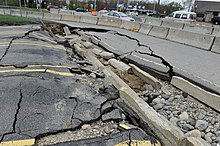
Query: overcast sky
point(165, 1)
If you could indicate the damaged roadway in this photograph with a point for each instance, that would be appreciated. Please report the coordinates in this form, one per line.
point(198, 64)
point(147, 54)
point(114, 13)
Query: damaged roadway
point(42, 92)
point(199, 66)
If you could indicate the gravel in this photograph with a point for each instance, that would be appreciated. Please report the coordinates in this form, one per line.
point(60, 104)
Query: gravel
point(92, 130)
point(192, 117)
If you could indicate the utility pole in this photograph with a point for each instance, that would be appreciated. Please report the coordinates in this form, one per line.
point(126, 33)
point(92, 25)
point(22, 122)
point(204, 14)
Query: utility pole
point(68, 4)
point(117, 5)
point(154, 6)
point(95, 5)
point(190, 5)
point(20, 7)
point(20, 4)
point(6, 2)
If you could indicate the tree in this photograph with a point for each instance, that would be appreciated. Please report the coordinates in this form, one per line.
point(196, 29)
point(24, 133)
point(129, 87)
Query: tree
point(186, 3)
point(13, 3)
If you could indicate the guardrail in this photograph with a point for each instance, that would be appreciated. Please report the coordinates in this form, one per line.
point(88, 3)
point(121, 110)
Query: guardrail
point(207, 38)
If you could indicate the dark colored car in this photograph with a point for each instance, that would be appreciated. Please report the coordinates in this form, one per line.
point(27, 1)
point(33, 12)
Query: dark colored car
point(216, 20)
point(81, 10)
point(156, 14)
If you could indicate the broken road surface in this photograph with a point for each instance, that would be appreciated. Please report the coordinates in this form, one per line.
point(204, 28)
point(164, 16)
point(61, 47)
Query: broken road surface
point(199, 65)
point(42, 91)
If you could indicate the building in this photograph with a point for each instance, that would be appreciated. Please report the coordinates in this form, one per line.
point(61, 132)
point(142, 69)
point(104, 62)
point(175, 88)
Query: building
point(207, 9)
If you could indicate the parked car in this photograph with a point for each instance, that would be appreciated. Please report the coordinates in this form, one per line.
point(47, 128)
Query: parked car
point(119, 15)
point(81, 10)
point(155, 14)
point(216, 20)
point(102, 12)
point(132, 13)
point(182, 15)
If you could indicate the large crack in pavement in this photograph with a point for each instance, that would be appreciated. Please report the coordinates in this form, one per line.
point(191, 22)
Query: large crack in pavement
point(163, 61)
point(27, 35)
point(15, 116)
point(44, 100)
point(16, 38)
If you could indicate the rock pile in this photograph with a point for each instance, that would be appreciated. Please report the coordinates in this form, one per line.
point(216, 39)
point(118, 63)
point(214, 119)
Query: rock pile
point(192, 117)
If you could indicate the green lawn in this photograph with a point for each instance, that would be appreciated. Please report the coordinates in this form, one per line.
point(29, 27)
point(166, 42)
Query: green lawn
point(4, 19)
point(35, 10)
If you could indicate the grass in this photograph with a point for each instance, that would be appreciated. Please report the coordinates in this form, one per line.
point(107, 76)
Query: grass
point(4, 19)
point(35, 10)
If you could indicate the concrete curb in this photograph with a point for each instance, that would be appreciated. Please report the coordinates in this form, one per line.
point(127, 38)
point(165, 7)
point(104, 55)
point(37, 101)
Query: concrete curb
point(194, 141)
point(146, 77)
point(212, 100)
point(119, 65)
point(168, 134)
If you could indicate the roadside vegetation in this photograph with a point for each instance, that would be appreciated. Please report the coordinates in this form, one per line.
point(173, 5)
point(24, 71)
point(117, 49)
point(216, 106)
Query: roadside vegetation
point(35, 10)
point(13, 20)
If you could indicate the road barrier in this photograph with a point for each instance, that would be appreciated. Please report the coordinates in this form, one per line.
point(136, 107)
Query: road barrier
point(52, 16)
point(216, 31)
point(23, 14)
point(114, 22)
point(216, 45)
point(153, 21)
point(7, 12)
point(89, 19)
point(16, 12)
point(2, 11)
point(65, 12)
point(61, 11)
point(38, 15)
point(54, 11)
point(172, 24)
point(199, 29)
point(201, 24)
point(158, 31)
point(74, 18)
point(129, 25)
point(145, 28)
point(202, 41)
point(150, 27)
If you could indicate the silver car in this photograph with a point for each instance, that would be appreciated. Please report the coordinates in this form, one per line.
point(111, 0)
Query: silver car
point(119, 15)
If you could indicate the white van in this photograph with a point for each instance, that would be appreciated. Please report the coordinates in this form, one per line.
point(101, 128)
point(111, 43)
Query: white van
point(182, 15)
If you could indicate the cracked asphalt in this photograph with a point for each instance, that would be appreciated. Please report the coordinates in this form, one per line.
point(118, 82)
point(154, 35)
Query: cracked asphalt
point(41, 95)
point(195, 64)
point(36, 85)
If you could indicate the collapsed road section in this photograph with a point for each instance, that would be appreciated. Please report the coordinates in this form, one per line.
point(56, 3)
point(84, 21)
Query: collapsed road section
point(48, 91)
point(193, 118)
point(82, 95)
